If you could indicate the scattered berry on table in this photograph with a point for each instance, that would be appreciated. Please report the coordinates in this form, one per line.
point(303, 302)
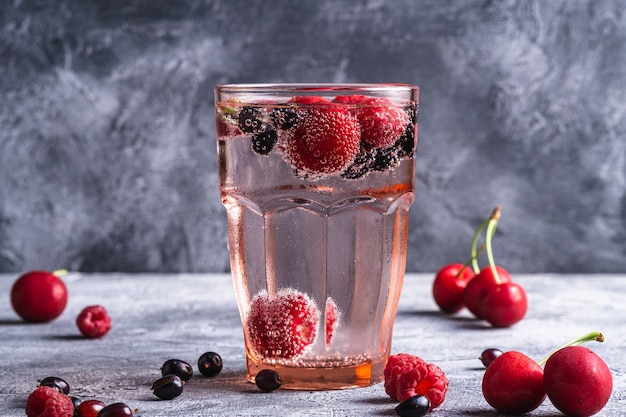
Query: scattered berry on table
point(396, 365)
point(282, 325)
point(577, 381)
point(210, 364)
point(76, 401)
point(268, 380)
point(489, 355)
point(449, 285)
point(326, 141)
point(416, 406)
point(94, 321)
point(177, 367)
point(116, 410)
point(49, 402)
point(89, 408)
point(168, 387)
point(425, 379)
point(411, 375)
point(39, 296)
point(57, 383)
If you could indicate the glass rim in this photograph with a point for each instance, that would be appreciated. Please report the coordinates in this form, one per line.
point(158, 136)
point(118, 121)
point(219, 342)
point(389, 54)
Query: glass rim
point(314, 87)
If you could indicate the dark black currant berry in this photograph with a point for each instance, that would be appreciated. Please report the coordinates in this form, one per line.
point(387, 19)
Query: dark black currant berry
point(268, 380)
point(116, 410)
point(283, 118)
point(406, 143)
point(210, 364)
point(489, 355)
point(57, 383)
point(177, 367)
point(76, 401)
point(416, 406)
point(249, 120)
point(360, 166)
point(168, 387)
point(385, 159)
point(263, 142)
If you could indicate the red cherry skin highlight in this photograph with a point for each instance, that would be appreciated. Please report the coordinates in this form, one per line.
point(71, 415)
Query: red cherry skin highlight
point(39, 296)
point(577, 381)
point(484, 279)
point(513, 384)
point(503, 305)
point(449, 285)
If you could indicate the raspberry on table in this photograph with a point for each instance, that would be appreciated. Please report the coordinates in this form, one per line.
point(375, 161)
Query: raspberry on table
point(397, 365)
point(48, 402)
point(93, 321)
point(283, 325)
point(425, 379)
point(408, 375)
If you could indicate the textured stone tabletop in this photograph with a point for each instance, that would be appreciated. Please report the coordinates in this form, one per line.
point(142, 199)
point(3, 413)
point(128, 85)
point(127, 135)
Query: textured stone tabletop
point(158, 317)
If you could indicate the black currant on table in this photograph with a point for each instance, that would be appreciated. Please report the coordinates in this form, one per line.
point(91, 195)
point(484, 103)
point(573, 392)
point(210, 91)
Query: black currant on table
point(210, 364)
point(177, 367)
point(168, 387)
point(489, 355)
point(116, 410)
point(416, 406)
point(268, 380)
point(57, 383)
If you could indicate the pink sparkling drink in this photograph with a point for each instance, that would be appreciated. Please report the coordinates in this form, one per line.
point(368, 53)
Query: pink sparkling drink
point(317, 181)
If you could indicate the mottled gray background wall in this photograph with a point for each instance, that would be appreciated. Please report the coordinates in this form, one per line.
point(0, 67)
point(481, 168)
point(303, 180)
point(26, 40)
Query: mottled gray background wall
point(107, 149)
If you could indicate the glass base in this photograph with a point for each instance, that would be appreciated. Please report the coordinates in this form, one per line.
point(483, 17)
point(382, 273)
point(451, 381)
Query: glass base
point(317, 378)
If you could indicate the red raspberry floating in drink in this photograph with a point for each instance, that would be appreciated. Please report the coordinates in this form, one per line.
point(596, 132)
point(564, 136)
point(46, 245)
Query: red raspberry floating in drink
point(283, 325)
point(48, 402)
point(325, 141)
point(94, 321)
point(407, 376)
point(332, 319)
point(382, 122)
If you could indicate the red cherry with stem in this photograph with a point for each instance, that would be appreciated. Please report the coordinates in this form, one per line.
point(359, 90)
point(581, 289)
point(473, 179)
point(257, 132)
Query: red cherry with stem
point(513, 383)
point(487, 276)
point(449, 285)
point(39, 296)
point(578, 382)
point(503, 305)
point(484, 279)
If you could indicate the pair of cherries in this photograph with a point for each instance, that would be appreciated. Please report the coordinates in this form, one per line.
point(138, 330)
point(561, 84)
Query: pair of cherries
point(488, 293)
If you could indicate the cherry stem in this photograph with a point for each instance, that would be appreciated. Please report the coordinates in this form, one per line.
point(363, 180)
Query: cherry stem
point(468, 263)
point(474, 253)
point(491, 230)
point(60, 272)
point(589, 337)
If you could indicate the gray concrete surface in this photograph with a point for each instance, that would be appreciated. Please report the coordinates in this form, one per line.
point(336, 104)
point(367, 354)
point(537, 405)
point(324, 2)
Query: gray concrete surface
point(158, 317)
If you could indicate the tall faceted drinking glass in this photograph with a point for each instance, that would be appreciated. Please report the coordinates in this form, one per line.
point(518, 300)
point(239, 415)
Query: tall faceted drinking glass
point(317, 181)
